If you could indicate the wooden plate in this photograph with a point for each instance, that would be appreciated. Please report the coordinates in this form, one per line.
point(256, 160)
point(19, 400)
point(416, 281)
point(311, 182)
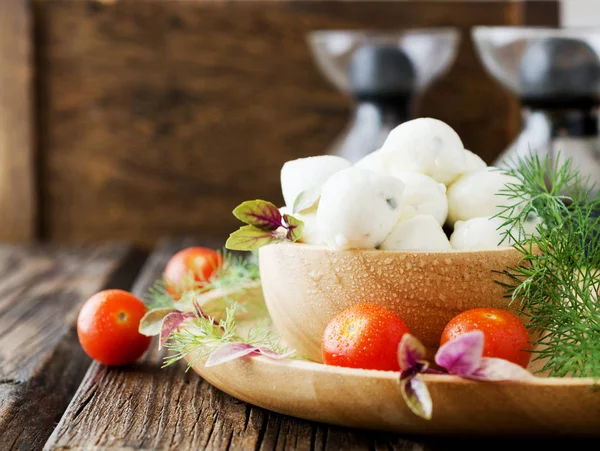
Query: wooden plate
point(372, 400)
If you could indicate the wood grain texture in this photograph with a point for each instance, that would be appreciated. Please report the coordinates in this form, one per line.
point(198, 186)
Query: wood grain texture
point(17, 177)
point(41, 362)
point(372, 400)
point(159, 117)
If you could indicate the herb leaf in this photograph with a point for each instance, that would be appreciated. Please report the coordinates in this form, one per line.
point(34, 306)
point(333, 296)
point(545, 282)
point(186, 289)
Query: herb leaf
point(248, 238)
point(151, 323)
point(294, 226)
point(170, 323)
point(231, 351)
point(417, 397)
point(411, 353)
point(204, 336)
point(492, 369)
point(461, 356)
point(557, 281)
point(259, 213)
point(265, 226)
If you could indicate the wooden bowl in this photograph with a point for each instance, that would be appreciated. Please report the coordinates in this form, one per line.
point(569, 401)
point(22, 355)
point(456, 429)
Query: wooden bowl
point(305, 286)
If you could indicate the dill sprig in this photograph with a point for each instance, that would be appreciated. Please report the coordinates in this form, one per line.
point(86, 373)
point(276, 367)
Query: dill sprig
point(556, 283)
point(205, 335)
point(235, 270)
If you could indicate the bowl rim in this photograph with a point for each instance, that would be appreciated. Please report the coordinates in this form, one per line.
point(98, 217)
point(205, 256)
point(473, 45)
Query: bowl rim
point(453, 252)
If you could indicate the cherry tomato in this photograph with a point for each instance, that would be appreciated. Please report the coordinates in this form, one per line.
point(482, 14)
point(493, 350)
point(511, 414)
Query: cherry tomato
point(505, 337)
point(107, 327)
point(364, 336)
point(189, 268)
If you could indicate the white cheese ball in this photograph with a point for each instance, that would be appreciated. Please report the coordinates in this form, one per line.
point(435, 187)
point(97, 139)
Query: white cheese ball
point(428, 146)
point(358, 208)
point(420, 233)
point(308, 174)
point(310, 232)
point(423, 196)
point(476, 195)
point(474, 162)
point(380, 161)
point(478, 234)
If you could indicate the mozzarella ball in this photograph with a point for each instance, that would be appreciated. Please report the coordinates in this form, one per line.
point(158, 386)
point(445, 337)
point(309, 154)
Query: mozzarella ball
point(310, 232)
point(379, 161)
point(421, 232)
point(477, 195)
point(428, 146)
point(308, 174)
point(474, 162)
point(478, 234)
point(423, 196)
point(358, 208)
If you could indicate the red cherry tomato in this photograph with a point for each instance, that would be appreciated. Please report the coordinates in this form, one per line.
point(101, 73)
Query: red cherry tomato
point(505, 337)
point(107, 327)
point(190, 268)
point(364, 336)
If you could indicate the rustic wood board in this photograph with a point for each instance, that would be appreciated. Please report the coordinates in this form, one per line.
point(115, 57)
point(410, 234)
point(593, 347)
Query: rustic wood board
point(41, 362)
point(145, 407)
point(195, 105)
point(17, 171)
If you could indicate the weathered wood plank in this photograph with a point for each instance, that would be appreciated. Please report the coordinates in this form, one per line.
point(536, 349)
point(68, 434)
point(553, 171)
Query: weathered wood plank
point(41, 362)
point(195, 105)
point(17, 171)
point(145, 407)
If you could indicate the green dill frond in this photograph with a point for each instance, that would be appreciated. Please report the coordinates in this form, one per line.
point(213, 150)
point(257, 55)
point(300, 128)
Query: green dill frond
point(204, 336)
point(556, 284)
point(157, 297)
point(236, 270)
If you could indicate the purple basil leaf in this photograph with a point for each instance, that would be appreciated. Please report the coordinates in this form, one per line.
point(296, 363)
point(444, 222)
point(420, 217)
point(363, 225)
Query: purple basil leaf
point(228, 352)
point(461, 356)
point(170, 323)
point(272, 354)
point(411, 352)
point(295, 228)
point(408, 374)
point(248, 238)
point(232, 351)
point(492, 369)
point(260, 214)
point(417, 397)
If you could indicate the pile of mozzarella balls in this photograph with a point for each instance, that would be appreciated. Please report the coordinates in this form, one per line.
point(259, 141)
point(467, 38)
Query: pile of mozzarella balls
point(400, 196)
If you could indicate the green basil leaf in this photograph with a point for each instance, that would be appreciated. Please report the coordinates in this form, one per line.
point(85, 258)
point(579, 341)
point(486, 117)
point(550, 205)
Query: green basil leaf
point(249, 238)
point(259, 213)
point(295, 228)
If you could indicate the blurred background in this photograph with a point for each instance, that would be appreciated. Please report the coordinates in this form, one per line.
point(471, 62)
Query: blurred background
point(134, 120)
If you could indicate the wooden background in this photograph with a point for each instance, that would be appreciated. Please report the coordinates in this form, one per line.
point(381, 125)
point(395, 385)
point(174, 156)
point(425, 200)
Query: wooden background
point(131, 120)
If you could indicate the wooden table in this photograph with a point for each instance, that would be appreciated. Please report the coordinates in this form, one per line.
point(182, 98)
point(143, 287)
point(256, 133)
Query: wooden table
point(53, 397)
